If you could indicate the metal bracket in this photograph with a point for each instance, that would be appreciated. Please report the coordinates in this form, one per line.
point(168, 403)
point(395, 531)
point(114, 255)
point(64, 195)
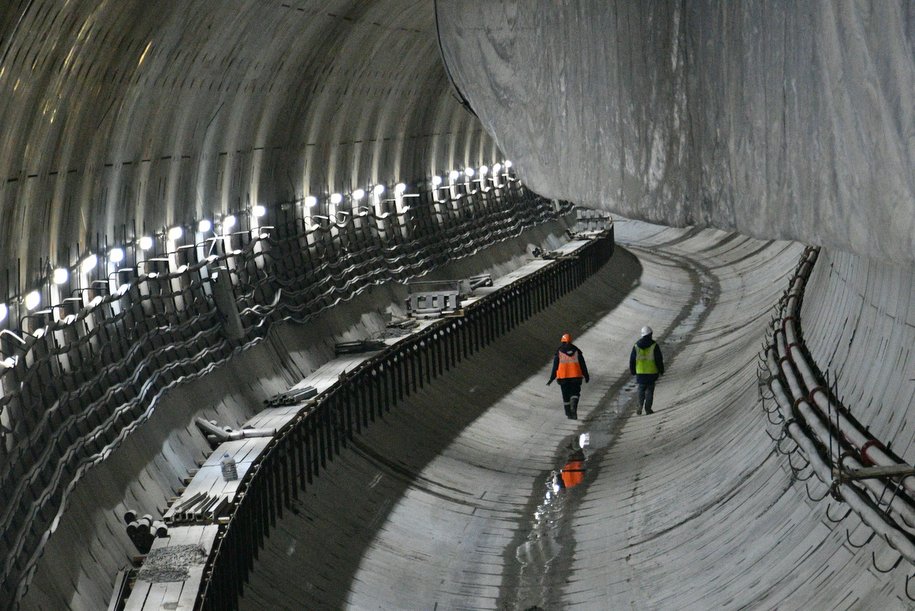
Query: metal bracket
point(432, 298)
point(835, 520)
point(908, 595)
point(813, 498)
point(855, 545)
point(895, 564)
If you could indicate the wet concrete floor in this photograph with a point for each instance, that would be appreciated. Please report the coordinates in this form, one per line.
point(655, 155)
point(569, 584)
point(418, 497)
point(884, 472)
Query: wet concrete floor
point(480, 493)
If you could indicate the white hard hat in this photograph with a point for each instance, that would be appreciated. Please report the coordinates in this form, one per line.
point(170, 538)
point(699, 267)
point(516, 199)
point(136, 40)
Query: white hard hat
point(646, 331)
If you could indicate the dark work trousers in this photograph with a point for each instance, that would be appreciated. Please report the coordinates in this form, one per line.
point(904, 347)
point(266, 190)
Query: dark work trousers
point(571, 391)
point(646, 396)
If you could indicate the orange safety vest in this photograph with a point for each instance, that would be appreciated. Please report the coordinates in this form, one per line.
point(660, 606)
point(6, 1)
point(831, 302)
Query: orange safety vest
point(573, 473)
point(568, 366)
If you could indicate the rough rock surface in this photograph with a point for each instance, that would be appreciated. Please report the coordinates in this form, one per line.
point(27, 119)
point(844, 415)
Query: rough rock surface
point(775, 119)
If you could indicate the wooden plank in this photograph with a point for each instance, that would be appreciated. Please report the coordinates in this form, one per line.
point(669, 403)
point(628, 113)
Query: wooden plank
point(120, 583)
point(137, 597)
point(156, 595)
point(190, 588)
point(273, 418)
point(183, 594)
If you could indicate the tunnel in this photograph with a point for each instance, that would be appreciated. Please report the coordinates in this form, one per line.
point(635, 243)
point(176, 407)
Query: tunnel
point(283, 285)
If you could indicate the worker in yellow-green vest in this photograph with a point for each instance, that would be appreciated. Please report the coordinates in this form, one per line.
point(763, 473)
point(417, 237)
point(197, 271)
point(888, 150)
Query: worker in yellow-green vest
point(569, 368)
point(647, 364)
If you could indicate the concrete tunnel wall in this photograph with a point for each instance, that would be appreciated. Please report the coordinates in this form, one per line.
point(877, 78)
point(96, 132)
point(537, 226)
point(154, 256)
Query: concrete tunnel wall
point(137, 113)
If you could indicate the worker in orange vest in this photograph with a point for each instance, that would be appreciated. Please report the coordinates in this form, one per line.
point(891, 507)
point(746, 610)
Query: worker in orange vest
point(570, 369)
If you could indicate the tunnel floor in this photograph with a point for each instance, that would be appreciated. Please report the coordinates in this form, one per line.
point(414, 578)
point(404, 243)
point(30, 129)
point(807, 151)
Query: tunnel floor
point(478, 493)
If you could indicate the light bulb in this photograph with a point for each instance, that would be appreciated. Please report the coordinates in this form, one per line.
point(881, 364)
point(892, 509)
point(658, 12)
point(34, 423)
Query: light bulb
point(146, 243)
point(116, 255)
point(32, 300)
point(60, 275)
point(89, 263)
point(204, 226)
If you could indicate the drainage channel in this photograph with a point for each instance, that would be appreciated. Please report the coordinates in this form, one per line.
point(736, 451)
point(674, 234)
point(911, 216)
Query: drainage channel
point(538, 561)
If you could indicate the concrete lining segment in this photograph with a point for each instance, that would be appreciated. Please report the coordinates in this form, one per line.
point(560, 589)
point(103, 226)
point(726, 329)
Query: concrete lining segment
point(688, 508)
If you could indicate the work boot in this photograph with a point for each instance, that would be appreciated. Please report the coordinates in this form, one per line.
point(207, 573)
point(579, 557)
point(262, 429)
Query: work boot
point(638, 412)
point(568, 409)
point(574, 408)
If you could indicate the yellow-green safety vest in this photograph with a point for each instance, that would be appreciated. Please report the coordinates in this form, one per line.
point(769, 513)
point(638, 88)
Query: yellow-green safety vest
point(644, 360)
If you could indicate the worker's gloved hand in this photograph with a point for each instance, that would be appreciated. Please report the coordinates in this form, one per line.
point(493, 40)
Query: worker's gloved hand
point(587, 379)
point(549, 382)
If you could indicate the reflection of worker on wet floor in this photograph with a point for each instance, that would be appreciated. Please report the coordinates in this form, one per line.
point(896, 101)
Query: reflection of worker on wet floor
point(573, 472)
point(569, 369)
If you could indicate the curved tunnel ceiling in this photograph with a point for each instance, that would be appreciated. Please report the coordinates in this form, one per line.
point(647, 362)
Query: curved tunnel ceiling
point(124, 118)
point(776, 119)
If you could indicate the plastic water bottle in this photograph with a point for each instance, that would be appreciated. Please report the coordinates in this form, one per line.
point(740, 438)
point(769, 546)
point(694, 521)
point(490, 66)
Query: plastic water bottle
point(229, 468)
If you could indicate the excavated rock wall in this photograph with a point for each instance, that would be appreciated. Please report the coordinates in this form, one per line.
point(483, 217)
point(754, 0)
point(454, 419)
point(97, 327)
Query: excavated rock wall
point(775, 119)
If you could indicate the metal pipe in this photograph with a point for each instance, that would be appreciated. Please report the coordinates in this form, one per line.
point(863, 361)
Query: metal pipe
point(786, 356)
point(852, 432)
point(870, 516)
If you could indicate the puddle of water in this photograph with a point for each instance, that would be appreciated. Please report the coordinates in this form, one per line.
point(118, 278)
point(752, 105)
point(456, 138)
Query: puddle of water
point(542, 546)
